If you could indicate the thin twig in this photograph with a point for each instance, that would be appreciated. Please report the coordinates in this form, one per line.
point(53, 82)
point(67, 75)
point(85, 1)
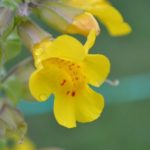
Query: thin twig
point(14, 69)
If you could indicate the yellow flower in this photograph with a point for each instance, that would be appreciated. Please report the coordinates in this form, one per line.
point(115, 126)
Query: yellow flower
point(106, 13)
point(64, 68)
point(26, 145)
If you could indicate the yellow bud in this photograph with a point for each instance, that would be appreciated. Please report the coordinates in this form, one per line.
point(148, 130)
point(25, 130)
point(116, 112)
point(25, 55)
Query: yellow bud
point(83, 24)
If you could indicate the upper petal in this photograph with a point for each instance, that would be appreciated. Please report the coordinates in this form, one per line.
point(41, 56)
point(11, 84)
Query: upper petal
point(65, 47)
point(96, 68)
point(89, 105)
point(112, 18)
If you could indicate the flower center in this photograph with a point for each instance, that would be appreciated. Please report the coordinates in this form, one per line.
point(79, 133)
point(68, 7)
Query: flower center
point(72, 83)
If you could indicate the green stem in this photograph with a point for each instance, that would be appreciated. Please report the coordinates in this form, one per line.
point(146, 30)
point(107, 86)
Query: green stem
point(15, 68)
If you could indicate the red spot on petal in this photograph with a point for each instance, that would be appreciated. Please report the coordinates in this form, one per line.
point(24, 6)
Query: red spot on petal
point(73, 93)
point(63, 83)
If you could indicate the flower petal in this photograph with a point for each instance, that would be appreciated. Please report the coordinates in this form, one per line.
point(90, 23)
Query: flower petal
point(89, 105)
point(112, 18)
point(64, 111)
point(49, 79)
point(80, 3)
point(65, 47)
point(26, 145)
point(96, 68)
point(83, 24)
point(39, 86)
point(90, 40)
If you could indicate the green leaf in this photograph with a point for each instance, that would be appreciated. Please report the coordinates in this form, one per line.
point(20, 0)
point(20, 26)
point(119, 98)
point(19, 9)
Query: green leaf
point(12, 4)
point(2, 144)
point(11, 47)
point(13, 89)
point(23, 74)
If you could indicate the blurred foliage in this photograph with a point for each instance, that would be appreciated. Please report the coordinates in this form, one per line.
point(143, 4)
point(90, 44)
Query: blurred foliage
point(14, 89)
point(12, 123)
point(10, 4)
point(16, 86)
point(12, 46)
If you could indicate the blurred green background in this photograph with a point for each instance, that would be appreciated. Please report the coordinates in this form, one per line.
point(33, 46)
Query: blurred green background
point(124, 125)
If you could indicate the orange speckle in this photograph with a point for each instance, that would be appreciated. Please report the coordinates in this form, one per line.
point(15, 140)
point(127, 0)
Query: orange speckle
point(73, 93)
point(70, 68)
point(63, 83)
point(77, 78)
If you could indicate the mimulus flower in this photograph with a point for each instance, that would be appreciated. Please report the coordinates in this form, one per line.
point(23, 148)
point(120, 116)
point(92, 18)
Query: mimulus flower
point(65, 68)
point(105, 12)
point(67, 19)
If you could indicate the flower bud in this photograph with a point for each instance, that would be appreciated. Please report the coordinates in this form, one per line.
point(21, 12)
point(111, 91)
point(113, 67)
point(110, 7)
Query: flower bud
point(67, 19)
point(83, 24)
point(12, 123)
point(31, 33)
